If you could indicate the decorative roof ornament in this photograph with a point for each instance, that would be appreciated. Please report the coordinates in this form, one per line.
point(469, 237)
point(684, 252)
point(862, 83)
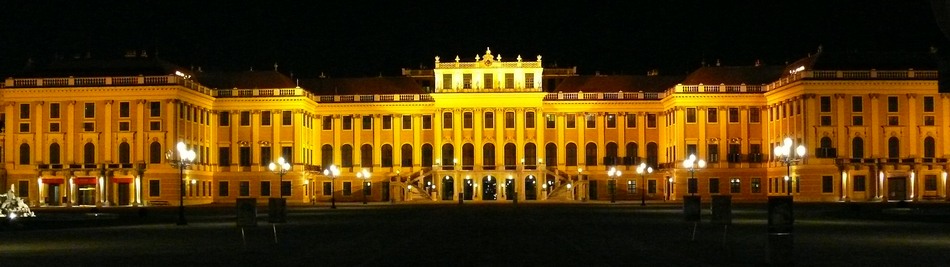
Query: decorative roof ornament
point(488, 58)
point(436, 59)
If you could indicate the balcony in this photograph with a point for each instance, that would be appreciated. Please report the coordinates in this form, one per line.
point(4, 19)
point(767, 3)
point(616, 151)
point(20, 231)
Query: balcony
point(604, 96)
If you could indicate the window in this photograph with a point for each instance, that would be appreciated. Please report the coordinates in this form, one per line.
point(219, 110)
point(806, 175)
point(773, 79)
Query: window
point(244, 188)
point(154, 188)
point(155, 109)
point(651, 120)
point(929, 120)
point(929, 147)
point(245, 118)
point(928, 104)
point(893, 120)
point(735, 186)
point(509, 80)
point(406, 155)
point(712, 151)
point(24, 127)
point(591, 120)
point(387, 122)
point(25, 154)
point(447, 120)
point(529, 80)
point(549, 121)
point(857, 120)
point(347, 123)
point(386, 156)
point(570, 154)
point(651, 187)
point(827, 184)
point(446, 81)
point(326, 155)
point(266, 157)
point(756, 185)
point(529, 120)
point(570, 121)
point(733, 115)
point(286, 118)
point(631, 186)
point(712, 115)
point(89, 126)
point(857, 148)
point(368, 122)
point(285, 188)
point(24, 111)
point(857, 104)
point(426, 122)
point(224, 118)
point(224, 156)
point(859, 183)
point(467, 81)
point(467, 120)
point(327, 122)
point(489, 83)
point(124, 126)
point(222, 188)
point(930, 182)
point(611, 121)
point(54, 127)
point(366, 156)
point(825, 120)
point(155, 125)
point(346, 153)
point(509, 120)
point(824, 103)
point(89, 110)
point(124, 110)
point(407, 122)
point(631, 120)
point(265, 118)
point(54, 110)
point(488, 156)
point(489, 120)
point(244, 155)
point(892, 104)
point(347, 188)
point(265, 188)
point(754, 116)
point(591, 154)
point(690, 115)
point(327, 188)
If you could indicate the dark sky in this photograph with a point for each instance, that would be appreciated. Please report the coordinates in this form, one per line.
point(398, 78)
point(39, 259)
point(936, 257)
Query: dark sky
point(368, 38)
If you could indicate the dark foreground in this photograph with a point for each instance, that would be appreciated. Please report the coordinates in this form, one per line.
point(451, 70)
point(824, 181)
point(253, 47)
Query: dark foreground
point(501, 234)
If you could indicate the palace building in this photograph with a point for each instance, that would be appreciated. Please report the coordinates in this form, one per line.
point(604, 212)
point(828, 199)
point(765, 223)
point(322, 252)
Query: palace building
point(105, 132)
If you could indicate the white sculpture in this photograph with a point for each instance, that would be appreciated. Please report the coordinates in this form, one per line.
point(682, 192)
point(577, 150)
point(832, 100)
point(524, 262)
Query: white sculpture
point(12, 206)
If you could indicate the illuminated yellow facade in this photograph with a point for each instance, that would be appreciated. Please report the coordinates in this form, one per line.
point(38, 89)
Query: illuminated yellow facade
point(478, 130)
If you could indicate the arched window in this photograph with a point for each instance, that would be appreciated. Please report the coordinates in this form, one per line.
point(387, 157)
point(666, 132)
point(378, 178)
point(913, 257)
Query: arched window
point(125, 153)
point(530, 154)
point(155, 152)
point(570, 154)
point(326, 155)
point(510, 161)
point(857, 148)
point(427, 155)
point(893, 147)
point(929, 147)
point(406, 155)
point(611, 154)
point(653, 155)
point(89, 153)
point(386, 155)
point(550, 154)
point(825, 149)
point(826, 142)
point(448, 155)
point(488, 156)
point(25, 154)
point(346, 153)
point(54, 153)
point(468, 156)
point(633, 155)
point(590, 154)
point(366, 156)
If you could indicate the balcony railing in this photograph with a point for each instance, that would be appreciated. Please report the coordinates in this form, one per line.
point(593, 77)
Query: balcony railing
point(106, 81)
point(604, 96)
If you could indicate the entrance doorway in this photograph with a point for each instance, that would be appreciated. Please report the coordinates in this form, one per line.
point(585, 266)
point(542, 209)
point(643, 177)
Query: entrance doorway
point(530, 188)
point(87, 194)
point(897, 188)
point(592, 190)
point(123, 194)
point(468, 189)
point(448, 188)
point(510, 188)
point(489, 188)
point(52, 194)
point(384, 191)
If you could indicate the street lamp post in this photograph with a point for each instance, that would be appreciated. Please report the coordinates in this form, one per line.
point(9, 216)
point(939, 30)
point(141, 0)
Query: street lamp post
point(613, 173)
point(280, 168)
point(643, 169)
point(784, 154)
point(181, 159)
point(365, 176)
point(692, 164)
point(332, 172)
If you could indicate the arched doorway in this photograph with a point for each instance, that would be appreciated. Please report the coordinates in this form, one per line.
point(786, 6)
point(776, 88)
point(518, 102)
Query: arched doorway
point(530, 188)
point(489, 186)
point(448, 187)
point(468, 189)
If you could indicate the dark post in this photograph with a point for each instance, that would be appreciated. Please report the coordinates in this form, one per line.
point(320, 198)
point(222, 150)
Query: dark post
point(692, 208)
point(181, 192)
point(781, 222)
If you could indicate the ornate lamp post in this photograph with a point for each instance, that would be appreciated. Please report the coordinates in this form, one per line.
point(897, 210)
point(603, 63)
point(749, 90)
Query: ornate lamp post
point(365, 176)
point(280, 168)
point(181, 159)
point(613, 173)
point(332, 172)
point(643, 169)
point(784, 154)
point(692, 164)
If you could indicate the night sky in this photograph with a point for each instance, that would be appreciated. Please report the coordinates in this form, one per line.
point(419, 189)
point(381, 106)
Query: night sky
point(369, 38)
